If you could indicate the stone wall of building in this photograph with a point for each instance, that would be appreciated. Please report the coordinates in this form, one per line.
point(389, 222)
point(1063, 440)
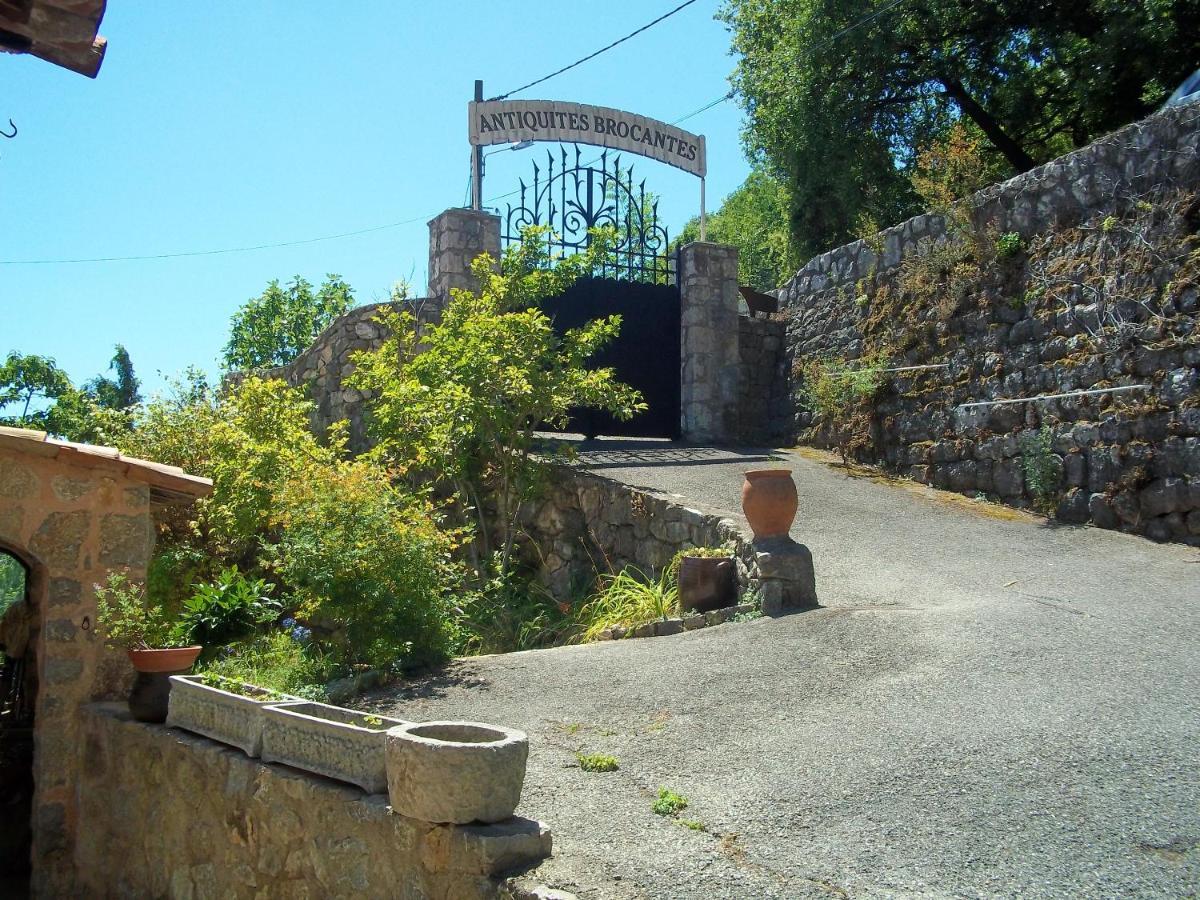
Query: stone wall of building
point(164, 813)
point(764, 404)
point(71, 514)
point(1079, 275)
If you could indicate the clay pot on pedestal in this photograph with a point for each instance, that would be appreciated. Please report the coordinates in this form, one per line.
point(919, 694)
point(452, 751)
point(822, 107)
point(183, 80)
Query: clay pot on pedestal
point(152, 686)
point(769, 501)
point(706, 583)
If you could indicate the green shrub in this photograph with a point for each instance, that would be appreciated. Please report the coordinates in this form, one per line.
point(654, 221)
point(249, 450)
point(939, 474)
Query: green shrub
point(669, 803)
point(228, 608)
point(630, 597)
point(281, 661)
point(369, 567)
point(1009, 244)
point(128, 619)
point(12, 582)
point(512, 612)
point(1042, 468)
point(597, 762)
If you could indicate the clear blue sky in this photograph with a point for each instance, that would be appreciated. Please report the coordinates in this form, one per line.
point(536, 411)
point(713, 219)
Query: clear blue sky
point(228, 124)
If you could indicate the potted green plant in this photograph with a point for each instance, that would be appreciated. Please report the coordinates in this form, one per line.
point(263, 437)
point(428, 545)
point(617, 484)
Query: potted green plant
point(158, 649)
point(706, 578)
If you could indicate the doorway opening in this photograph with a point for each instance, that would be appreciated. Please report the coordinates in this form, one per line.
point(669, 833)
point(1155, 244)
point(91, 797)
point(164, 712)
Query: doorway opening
point(17, 691)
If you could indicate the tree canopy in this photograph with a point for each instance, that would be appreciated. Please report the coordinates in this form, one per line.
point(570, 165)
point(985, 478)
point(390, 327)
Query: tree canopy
point(273, 328)
point(843, 95)
point(36, 393)
point(754, 218)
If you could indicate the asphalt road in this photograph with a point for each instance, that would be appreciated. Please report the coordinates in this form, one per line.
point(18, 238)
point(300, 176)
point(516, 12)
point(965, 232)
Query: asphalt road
point(985, 706)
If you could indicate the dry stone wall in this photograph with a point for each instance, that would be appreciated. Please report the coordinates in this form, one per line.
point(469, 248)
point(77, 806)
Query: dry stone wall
point(1079, 275)
point(586, 524)
point(167, 814)
point(764, 403)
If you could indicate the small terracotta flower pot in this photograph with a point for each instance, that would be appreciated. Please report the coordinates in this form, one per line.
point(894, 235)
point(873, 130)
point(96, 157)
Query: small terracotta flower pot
point(150, 696)
point(172, 659)
point(769, 501)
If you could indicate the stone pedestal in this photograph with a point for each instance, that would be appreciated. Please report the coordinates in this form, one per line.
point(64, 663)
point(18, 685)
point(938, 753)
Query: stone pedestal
point(456, 237)
point(709, 378)
point(786, 581)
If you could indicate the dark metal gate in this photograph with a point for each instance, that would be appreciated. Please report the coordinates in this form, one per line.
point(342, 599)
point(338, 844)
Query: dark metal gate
point(637, 281)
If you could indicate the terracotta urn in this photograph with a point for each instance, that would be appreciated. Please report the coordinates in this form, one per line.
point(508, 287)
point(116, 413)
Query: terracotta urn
point(151, 691)
point(769, 501)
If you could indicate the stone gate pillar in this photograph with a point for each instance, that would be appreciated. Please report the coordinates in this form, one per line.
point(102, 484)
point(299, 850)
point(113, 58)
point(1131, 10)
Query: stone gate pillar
point(456, 237)
point(709, 343)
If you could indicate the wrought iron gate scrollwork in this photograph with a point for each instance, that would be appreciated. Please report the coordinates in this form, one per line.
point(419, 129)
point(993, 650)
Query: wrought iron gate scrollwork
point(570, 197)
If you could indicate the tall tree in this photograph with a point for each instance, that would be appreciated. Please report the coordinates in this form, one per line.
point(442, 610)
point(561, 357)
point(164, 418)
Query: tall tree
point(120, 392)
point(842, 94)
point(26, 381)
point(273, 328)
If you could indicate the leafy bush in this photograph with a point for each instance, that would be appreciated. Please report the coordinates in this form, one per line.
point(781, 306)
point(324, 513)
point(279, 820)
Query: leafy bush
point(370, 569)
point(1009, 244)
point(464, 409)
point(279, 661)
point(669, 803)
point(1041, 466)
point(512, 612)
point(629, 597)
point(12, 582)
point(228, 608)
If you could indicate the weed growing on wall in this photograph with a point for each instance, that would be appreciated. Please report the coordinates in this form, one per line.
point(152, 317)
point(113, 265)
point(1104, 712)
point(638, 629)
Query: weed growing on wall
point(1041, 466)
point(840, 395)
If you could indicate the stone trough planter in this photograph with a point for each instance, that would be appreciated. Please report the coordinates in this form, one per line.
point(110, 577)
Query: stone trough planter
point(328, 740)
point(455, 772)
point(224, 716)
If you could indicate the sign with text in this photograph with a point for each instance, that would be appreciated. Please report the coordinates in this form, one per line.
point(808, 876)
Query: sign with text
point(513, 121)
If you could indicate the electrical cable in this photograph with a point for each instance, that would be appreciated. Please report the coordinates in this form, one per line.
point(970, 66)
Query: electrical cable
point(333, 237)
point(597, 53)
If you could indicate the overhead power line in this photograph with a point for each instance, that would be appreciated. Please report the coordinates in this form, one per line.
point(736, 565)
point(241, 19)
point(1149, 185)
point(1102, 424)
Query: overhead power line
point(347, 234)
point(580, 62)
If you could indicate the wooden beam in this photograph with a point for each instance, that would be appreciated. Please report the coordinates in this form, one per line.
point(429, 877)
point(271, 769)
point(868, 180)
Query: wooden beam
point(51, 25)
point(62, 32)
point(82, 58)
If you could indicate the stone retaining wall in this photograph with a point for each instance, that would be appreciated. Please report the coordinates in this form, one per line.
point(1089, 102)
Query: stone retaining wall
point(587, 524)
point(1099, 291)
point(764, 405)
point(165, 813)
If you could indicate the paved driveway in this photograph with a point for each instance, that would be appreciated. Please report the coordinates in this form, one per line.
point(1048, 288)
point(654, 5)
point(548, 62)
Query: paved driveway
point(985, 706)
